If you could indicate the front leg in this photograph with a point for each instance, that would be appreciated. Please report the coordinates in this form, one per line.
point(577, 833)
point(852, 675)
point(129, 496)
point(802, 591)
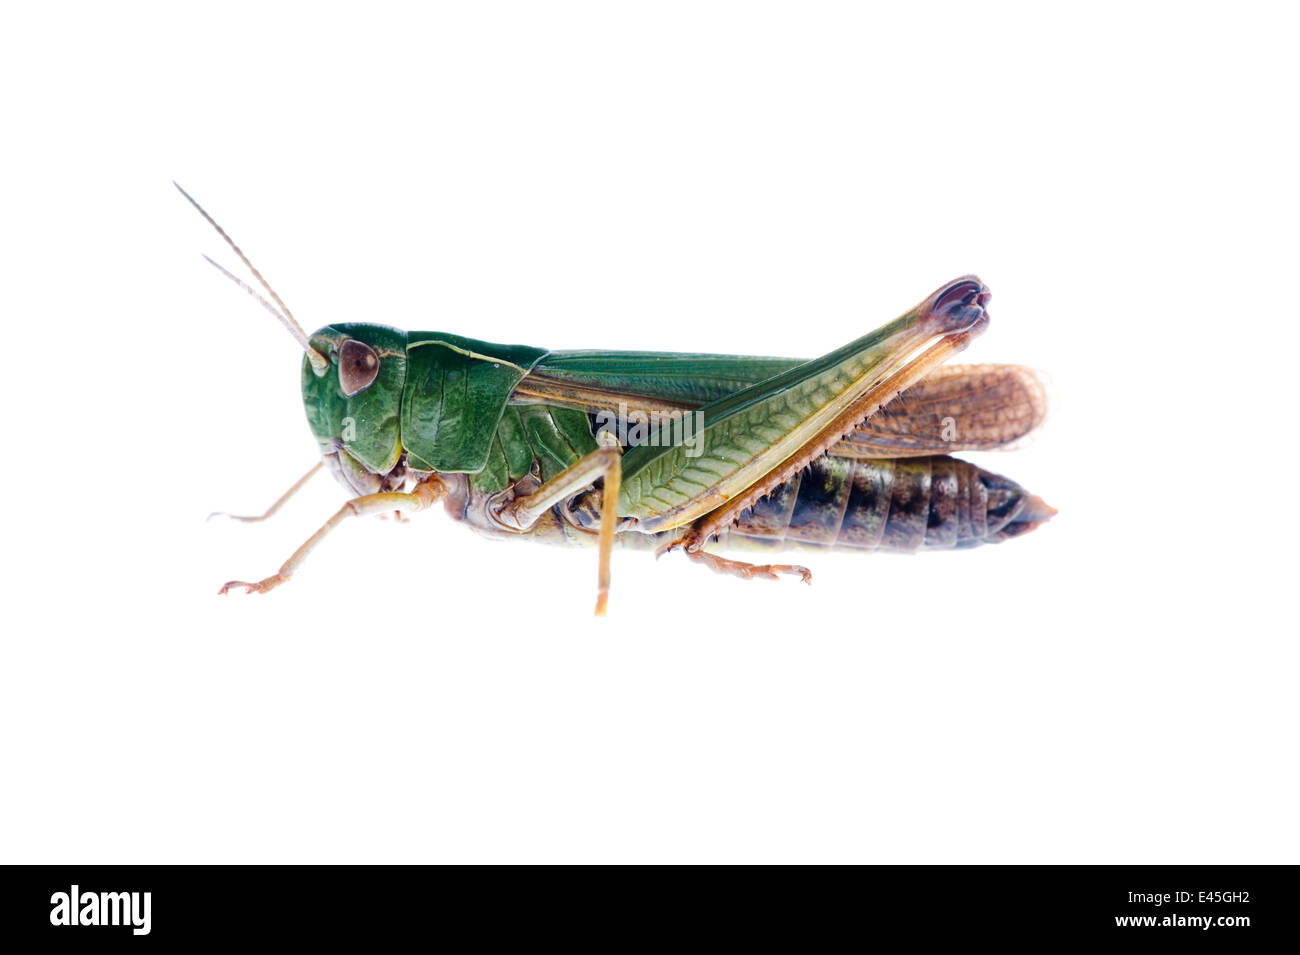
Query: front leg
point(421, 498)
point(254, 518)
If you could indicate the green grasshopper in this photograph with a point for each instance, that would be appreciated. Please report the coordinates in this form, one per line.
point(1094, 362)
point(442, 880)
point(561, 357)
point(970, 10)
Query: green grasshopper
point(848, 450)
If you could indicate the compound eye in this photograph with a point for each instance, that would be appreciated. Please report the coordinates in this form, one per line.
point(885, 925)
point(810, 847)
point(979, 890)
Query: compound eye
point(358, 366)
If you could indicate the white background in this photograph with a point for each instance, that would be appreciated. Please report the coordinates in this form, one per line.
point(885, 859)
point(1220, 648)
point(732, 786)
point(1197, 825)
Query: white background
point(1119, 686)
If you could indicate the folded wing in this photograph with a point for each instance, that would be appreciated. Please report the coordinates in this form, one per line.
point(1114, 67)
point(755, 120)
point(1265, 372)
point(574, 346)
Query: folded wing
point(955, 408)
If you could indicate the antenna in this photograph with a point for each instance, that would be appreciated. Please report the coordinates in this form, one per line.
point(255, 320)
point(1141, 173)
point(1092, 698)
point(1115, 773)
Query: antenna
point(318, 361)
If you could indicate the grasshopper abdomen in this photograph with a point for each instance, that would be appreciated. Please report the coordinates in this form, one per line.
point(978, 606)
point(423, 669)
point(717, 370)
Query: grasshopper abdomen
point(910, 504)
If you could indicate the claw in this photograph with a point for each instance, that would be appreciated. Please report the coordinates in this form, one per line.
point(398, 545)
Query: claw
point(668, 548)
point(261, 587)
point(774, 571)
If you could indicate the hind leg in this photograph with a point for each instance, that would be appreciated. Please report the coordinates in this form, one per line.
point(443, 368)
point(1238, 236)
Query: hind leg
point(738, 568)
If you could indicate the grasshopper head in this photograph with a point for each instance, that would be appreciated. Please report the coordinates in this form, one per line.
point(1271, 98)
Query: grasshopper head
point(354, 404)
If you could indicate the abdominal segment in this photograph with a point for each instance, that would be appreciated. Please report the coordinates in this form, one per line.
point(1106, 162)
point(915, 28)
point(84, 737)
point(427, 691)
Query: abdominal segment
point(925, 503)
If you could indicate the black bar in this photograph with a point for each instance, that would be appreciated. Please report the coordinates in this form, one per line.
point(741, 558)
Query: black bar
point(1228, 905)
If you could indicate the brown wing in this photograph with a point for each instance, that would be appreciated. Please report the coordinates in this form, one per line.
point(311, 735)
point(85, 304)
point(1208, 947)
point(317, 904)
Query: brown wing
point(955, 408)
